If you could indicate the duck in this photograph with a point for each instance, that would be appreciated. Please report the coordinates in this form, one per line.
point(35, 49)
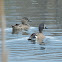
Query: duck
point(39, 36)
point(19, 27)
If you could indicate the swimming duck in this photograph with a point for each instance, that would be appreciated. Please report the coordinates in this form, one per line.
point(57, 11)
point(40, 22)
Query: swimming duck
point(18, 27)
point(38, 37)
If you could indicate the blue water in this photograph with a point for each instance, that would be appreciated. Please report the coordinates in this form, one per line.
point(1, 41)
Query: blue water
point(22, 50)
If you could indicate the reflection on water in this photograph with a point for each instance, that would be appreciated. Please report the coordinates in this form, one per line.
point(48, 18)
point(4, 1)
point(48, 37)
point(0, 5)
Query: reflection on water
point(38, 11)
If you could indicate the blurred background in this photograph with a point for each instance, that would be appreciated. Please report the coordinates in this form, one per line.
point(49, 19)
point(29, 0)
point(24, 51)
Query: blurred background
point(38, 11)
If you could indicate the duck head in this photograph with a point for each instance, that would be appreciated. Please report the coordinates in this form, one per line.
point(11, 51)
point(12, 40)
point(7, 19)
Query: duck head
point(25, 20)
point(41, 27)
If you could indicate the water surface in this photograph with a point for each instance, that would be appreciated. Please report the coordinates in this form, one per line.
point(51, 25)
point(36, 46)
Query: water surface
point(38, 11)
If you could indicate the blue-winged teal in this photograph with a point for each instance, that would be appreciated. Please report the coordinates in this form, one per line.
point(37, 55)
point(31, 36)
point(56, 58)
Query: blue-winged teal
point(18, 27)
point(38, 37)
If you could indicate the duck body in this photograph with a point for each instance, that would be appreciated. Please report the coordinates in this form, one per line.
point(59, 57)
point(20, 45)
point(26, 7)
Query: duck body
point(38, 37)
point(25, 27)
point(17, 28)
